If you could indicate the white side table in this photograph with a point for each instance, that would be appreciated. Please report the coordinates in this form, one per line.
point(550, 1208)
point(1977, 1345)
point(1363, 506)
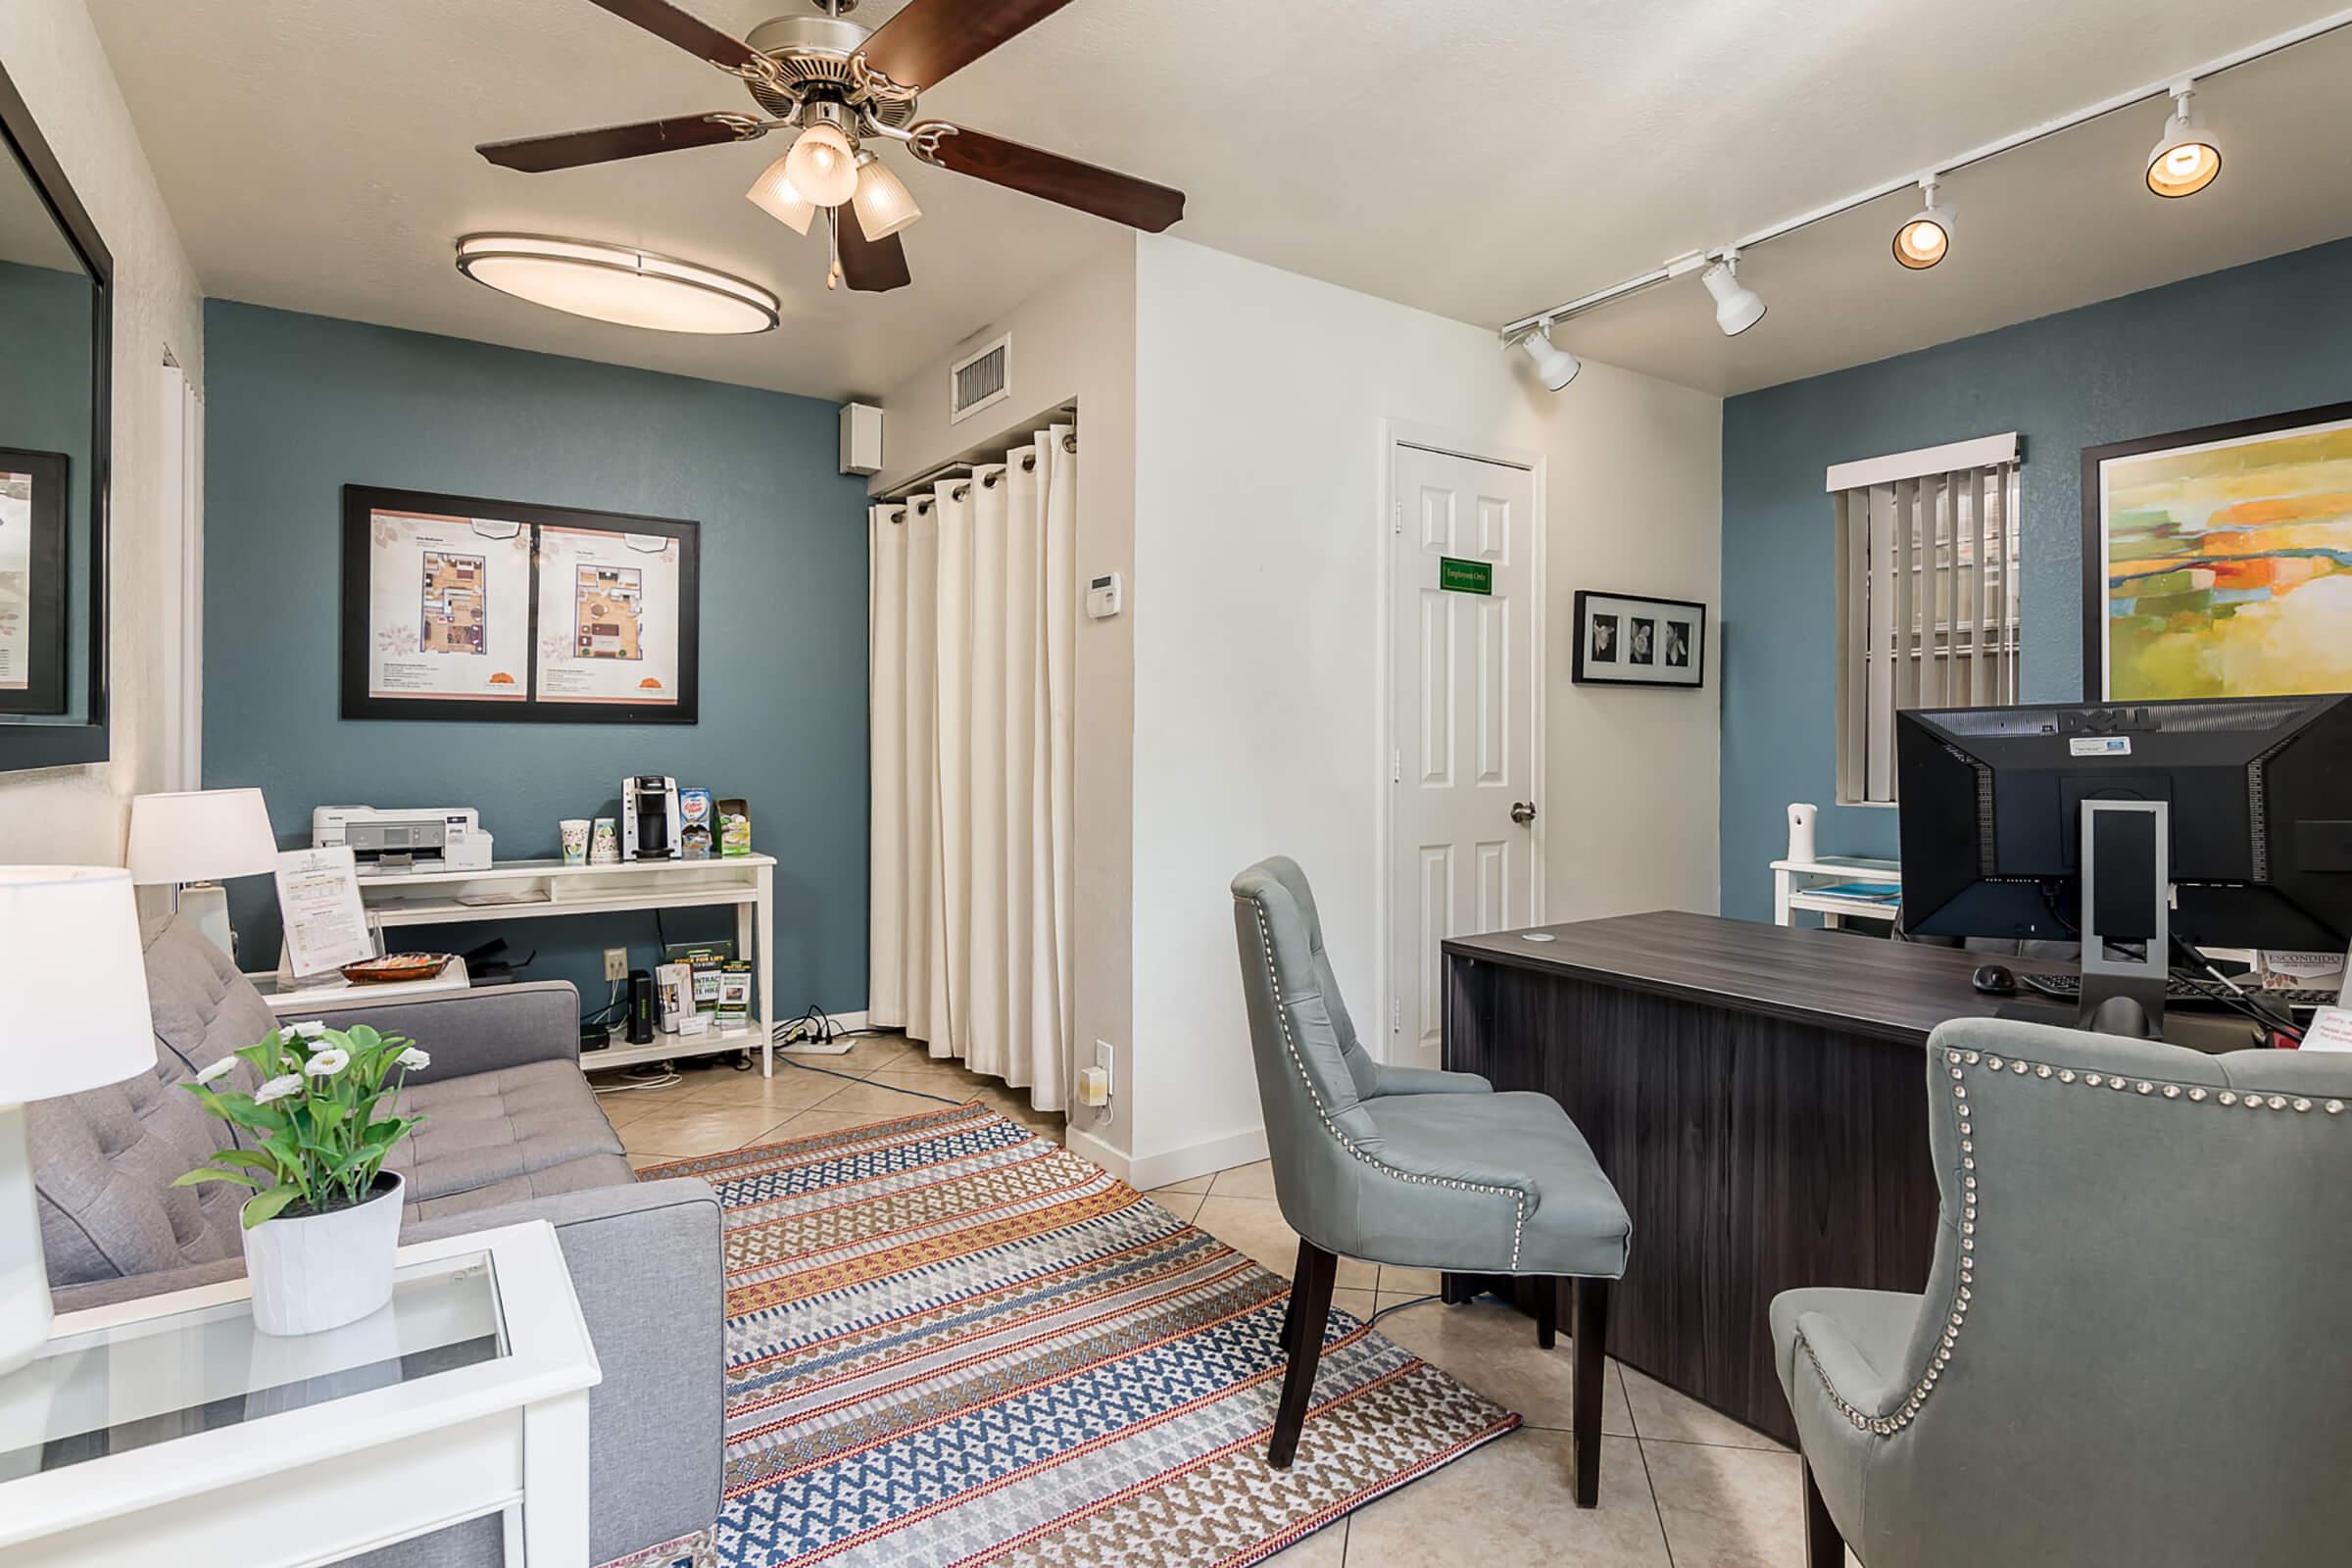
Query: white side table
point(169, 1430)
point(300, 1002)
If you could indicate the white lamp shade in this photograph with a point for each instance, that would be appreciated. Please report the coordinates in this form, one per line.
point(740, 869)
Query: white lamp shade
point(75, 975)
point(823, 166)
point(773, 194)
point(201, 836)
point(882, 201)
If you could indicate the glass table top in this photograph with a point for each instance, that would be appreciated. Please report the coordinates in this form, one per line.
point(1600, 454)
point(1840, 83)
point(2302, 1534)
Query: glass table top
point(110, 1391)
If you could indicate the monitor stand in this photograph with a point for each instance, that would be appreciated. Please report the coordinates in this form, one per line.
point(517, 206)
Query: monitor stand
point(2126, 924)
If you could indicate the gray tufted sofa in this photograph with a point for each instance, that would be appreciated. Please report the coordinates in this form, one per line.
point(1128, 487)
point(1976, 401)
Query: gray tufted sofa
point(513, 1133)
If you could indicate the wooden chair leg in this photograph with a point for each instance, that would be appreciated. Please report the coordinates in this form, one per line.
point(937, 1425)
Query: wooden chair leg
point(1310, 1307)
point(1592, 1331)
point(1825, 1547)
point(1547, 1313)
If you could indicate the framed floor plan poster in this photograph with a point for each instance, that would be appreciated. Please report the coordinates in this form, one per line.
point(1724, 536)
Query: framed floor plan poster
point(460, 608)
point(33, 581)
point(608, 616)
point(2217, 562)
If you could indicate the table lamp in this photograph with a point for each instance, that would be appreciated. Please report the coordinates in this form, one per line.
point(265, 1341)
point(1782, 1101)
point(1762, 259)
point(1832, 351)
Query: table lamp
point(195, 840)
point(76, 982)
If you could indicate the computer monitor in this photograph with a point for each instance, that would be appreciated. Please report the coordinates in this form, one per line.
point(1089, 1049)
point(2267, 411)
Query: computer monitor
point(2242, 807)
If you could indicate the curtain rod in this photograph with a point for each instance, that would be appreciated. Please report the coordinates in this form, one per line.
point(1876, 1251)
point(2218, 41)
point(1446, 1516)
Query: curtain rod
point(1992, 149)
point(965, 467)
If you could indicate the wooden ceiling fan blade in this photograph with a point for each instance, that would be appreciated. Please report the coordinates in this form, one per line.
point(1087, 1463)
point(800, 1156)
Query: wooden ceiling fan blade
point(868, 266)
point(1103, 193)
point(933, 38)
point(537, 155)
point(690, 34)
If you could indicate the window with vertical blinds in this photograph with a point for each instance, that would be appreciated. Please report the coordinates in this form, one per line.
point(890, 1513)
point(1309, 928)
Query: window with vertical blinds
point(1926, 549)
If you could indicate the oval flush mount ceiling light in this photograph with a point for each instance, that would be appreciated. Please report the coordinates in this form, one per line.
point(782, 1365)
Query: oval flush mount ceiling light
point(2188, 158)
point(1927, 235)
point(618, 283)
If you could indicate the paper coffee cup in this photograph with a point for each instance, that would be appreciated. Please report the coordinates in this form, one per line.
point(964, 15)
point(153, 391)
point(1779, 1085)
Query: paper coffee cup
point(574, 830)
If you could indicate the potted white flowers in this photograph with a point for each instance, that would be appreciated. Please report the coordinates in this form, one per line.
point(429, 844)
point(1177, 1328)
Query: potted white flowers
point(324, 1218)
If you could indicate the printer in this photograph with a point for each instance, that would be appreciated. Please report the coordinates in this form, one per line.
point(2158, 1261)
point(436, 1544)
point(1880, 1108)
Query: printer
point(403, 843)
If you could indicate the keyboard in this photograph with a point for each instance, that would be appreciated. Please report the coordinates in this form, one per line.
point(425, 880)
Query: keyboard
point(2186, 990)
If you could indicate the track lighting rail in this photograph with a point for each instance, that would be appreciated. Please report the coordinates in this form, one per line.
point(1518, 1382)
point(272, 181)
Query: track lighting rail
point(2166, 87)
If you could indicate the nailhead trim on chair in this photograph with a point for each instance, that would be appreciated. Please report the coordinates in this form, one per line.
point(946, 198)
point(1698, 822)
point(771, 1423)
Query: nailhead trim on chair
point(1518, 1199)
point(1958, 1062)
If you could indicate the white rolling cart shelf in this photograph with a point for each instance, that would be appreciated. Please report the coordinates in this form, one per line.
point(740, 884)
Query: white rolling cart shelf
point(1801, 884)
point(553, 887)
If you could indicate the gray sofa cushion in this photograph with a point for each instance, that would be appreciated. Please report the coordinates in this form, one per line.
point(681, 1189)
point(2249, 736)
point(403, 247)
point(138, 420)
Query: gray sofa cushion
point(494, 1126)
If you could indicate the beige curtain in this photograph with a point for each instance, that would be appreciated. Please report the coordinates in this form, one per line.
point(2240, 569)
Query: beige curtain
point(974, 601)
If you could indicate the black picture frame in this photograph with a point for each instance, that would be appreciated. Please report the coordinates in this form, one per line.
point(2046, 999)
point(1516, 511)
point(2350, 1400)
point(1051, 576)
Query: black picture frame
point(1668, 666)
point(2094, 513)
point(46, 612)
point(30, 745)
point(360, 504)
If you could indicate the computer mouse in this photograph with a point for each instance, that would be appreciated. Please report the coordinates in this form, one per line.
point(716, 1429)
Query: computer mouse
point(1996, 980)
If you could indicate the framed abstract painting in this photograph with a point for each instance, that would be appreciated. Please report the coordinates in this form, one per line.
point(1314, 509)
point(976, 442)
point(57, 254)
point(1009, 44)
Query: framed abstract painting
point(2217, 562)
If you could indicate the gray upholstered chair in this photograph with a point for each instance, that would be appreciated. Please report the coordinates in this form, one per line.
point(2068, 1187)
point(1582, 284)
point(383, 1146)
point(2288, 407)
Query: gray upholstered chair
point(1410, 1167)
point(2133, 1349)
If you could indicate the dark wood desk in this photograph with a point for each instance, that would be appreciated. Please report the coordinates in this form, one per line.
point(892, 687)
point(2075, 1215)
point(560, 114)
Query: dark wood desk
point(1758, 1095)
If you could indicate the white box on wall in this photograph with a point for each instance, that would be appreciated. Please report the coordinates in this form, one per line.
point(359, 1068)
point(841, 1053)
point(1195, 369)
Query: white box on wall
point(860, 438)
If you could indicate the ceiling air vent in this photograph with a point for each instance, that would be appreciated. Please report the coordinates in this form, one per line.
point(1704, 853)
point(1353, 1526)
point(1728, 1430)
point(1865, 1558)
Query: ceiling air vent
point(980, 380)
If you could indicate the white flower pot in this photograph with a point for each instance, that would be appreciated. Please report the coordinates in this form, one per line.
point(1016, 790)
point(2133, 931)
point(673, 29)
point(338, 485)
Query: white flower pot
point(321, 1271)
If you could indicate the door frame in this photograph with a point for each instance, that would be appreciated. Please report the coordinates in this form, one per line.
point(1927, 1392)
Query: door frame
point(1394, 434)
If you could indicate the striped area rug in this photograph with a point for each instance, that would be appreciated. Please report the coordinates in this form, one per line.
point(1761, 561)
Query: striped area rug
point(951, 1343)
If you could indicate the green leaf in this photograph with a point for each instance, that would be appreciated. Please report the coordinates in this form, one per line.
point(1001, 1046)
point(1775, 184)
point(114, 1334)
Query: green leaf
point(213, 1173)
point(363, 1038)
point(267, 1205)
point(252, 1159)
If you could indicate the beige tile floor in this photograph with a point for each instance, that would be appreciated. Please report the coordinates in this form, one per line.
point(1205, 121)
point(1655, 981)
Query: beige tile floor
point(1680, 1485)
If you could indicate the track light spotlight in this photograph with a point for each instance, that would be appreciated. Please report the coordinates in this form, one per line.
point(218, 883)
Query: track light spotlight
point(1557, 366)
point(2188, 158)
point(1737, 306)
point(1927, 235)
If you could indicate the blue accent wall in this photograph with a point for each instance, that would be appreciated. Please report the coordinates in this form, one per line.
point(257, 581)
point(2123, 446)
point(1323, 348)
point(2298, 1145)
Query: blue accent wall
point(299, 406)
point(2265, 338)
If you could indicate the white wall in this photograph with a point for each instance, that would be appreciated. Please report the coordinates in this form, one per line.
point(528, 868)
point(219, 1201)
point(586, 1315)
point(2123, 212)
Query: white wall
point(1261, 398)
point(53, 55)
point(1074, 340)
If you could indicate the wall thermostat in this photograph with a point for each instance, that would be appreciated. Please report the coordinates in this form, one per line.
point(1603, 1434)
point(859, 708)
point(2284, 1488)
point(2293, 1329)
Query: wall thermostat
point(1105, 596)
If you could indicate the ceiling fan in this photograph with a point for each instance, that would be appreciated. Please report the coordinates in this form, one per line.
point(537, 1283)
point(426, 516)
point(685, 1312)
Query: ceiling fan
point(837, 86)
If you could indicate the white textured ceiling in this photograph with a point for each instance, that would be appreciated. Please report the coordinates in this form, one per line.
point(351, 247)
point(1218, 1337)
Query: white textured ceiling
point(1479, 161)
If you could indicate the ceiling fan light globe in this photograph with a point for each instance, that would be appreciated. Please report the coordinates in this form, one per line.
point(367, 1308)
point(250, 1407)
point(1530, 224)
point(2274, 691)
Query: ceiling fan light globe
point(823, 166)
point(882, 201)
point(774, 194)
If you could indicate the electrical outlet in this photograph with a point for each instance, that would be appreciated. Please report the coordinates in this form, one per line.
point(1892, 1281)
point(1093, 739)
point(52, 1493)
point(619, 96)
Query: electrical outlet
point(617, 963)
point(1103, 1058)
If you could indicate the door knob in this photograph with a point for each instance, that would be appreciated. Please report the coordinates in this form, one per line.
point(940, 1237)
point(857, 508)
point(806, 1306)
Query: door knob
point(1523, 812)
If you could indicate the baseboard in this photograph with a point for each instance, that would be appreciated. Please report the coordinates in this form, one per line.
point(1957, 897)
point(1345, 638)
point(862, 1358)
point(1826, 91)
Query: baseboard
point(1196, 1159)
point(1087, 1147)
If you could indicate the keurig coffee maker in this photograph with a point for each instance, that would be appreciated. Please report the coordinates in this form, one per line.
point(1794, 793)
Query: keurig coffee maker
point(650, 825)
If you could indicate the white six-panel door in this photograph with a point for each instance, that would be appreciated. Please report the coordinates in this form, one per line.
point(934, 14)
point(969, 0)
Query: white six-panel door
point(1464, 724)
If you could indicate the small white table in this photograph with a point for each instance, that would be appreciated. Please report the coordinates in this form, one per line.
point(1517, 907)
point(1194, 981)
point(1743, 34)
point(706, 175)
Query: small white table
point(1800, 885)
point(296, 1001)
point(171, 1430)
point(545, 888)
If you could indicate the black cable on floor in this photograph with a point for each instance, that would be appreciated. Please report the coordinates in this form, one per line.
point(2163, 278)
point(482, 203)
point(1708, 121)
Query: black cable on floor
point(896, 1089)
point(1398, 1306)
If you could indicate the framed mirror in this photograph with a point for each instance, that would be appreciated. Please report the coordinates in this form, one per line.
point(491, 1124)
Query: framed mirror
point(56, 337)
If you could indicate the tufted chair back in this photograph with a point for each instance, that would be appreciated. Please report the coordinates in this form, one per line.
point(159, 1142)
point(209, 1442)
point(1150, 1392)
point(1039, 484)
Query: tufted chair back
point(104, 1162)
point(2132, 1347)
point(1313, 1072)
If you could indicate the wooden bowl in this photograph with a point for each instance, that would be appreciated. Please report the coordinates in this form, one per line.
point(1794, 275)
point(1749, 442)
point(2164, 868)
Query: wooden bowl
point(394, 967)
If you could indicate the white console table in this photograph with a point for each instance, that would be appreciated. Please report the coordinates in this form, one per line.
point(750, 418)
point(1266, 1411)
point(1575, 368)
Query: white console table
point(545, 888)
point(1801, 884)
